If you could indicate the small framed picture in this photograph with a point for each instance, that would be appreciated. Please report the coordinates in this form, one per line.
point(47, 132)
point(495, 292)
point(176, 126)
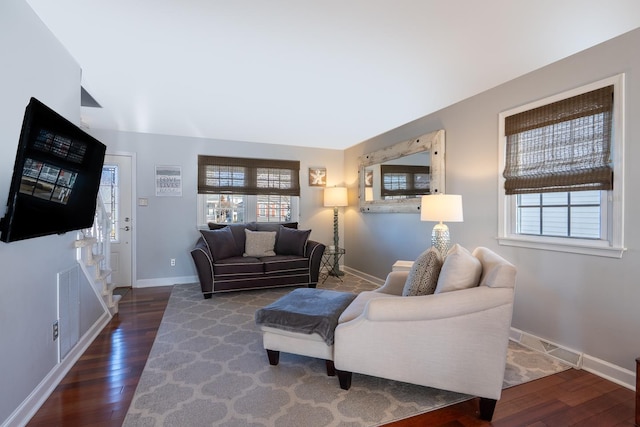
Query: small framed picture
point(168, 181)
point(368, 178)
point(317, 177)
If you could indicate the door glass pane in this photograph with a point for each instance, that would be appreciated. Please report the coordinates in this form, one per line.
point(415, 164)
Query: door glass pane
point(110, 197)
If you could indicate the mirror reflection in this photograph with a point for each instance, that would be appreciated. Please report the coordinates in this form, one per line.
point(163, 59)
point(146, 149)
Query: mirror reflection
point(402, 178)
point(393, 179)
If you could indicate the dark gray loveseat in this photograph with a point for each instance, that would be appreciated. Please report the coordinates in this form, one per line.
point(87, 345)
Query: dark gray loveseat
point(223, 264)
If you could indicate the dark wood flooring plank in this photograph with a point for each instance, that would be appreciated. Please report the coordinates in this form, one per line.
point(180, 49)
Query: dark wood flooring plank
point(97, 391)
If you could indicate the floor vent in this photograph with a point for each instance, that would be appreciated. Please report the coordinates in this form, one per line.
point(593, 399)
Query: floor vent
point(68, 310)
point(564, 354)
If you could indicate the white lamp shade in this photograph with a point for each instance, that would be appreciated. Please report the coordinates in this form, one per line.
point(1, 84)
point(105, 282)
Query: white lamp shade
point(368, 194)
point(441, 207)
point(335, 196)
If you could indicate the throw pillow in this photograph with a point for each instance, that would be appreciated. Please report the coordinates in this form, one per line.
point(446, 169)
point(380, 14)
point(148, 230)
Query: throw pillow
point(220, 242)
point(291, 241)
point(423, 276)
point(259, 243)
point(461, 270)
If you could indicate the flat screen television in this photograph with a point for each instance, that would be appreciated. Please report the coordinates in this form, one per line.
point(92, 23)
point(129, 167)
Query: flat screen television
point(56, 177)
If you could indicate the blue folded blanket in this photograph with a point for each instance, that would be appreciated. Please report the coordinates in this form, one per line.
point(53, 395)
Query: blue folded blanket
point(306, 310)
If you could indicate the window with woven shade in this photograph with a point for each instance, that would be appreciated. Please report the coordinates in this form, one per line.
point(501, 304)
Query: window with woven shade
point(237, 189)
point(561, 168)
point(562, 146)
point(237, 175)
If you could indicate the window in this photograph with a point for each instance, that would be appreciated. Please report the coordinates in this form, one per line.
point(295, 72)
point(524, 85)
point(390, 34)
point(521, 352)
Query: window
point(561, 179)
point(109, 192)
point(234, 189)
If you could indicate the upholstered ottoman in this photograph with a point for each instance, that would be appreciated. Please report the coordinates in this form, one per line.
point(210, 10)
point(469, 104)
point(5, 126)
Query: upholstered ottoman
point(303, 322)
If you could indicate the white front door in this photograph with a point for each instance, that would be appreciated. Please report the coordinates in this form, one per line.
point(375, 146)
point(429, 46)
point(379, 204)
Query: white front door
point(115, 190)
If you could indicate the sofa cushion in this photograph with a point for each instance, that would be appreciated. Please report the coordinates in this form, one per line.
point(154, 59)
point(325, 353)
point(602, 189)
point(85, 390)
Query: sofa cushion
point(496, 271)
point(238, 229)
point(272, 226)
point(461, 270)
point(259, 243)
point(285, 263)
point(239, 266)
point(291, 241)
point(357, 306)
point(220, 243)
point(423, 276)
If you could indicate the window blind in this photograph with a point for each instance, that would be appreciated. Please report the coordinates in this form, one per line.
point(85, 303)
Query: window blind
point(562, 146)
point(237, 175)
point(403, 180)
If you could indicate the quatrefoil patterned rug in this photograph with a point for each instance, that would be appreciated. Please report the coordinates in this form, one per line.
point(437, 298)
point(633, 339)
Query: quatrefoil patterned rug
point(207, 367)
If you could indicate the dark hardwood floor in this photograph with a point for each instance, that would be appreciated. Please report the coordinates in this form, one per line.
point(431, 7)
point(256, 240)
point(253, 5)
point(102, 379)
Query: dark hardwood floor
point(98, 389)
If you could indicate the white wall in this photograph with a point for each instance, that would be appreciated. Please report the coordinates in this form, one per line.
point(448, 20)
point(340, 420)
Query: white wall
point(34, 64)
point(166, 228)
point(586, 303)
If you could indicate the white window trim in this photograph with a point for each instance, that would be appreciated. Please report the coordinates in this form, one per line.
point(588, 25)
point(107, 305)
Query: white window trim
point(250, 214)
point(614, 246)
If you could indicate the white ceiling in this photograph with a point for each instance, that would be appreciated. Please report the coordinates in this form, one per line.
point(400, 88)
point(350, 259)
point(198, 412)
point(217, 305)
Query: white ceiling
point(319, 73)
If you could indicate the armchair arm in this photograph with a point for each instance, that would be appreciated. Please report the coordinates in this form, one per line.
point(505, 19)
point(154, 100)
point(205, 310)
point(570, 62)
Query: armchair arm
point(437, 306)
point(314, 251)
point(394, 284)
point(204, 266)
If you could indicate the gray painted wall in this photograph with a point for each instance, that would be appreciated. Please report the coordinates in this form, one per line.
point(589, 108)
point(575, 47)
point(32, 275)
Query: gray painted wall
point(586, 303)
point(166, 228)
point(35, 64)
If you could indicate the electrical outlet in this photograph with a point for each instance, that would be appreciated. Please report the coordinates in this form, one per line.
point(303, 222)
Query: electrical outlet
point(56, 330)
point(173, 262)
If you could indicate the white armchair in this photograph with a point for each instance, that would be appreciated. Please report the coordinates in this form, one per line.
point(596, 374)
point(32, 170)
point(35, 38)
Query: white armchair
point(453, 341)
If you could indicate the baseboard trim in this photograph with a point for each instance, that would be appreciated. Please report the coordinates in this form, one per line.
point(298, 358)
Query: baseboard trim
point(578, 360)
point(373, 279)
point(41, 393)
point(609, 371)
point(165, 281)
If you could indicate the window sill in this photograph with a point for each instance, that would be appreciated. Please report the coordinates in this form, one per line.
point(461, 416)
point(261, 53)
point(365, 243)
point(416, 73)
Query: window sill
point(595, 248)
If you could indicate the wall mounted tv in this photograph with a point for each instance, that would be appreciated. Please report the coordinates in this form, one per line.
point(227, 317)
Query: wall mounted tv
point(56, 177)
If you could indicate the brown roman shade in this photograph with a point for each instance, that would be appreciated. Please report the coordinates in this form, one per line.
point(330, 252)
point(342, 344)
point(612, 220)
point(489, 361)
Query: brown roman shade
point(404, 180)
point(236, 175)
point(562, 146)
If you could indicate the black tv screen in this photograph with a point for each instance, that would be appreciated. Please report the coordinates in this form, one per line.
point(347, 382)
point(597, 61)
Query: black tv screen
point(56, 177)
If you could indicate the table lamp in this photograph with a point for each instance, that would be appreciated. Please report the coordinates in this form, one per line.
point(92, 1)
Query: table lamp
point(441, 207)
point(335, 197)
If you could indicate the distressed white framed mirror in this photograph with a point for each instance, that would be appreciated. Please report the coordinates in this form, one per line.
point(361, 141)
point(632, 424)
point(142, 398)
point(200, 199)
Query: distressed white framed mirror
point(394, 178)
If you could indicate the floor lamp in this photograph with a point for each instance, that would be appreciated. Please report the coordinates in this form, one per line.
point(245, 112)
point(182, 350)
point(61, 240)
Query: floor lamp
point(441, 207)
point(335, 197)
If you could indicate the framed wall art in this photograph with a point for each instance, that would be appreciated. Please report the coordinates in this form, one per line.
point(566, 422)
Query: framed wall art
point(168, 181)
point(317, 177)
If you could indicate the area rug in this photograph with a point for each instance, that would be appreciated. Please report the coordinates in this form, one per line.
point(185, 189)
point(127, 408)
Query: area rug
point(207, 367)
